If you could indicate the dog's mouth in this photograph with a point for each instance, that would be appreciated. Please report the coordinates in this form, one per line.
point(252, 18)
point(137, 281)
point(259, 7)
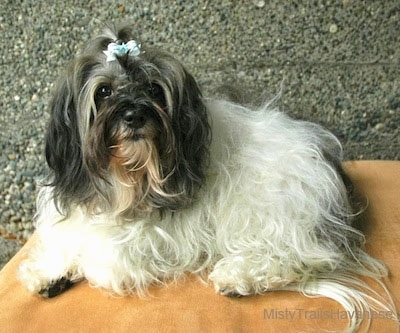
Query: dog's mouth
point(137, 137)
point(120, 130)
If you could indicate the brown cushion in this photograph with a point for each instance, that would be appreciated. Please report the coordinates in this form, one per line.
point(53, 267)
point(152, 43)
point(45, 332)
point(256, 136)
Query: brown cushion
point(193, 306)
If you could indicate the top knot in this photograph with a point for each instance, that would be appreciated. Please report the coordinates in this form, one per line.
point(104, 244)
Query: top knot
point(114, 50)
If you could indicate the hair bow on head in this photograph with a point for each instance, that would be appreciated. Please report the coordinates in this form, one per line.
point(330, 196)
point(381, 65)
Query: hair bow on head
point(114, 50)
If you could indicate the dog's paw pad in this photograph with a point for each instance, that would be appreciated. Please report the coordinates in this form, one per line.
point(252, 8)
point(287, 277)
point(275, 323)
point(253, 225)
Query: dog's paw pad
point(56, 288)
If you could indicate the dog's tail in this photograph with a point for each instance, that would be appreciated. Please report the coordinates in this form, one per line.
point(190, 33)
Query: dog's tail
point(359, 300)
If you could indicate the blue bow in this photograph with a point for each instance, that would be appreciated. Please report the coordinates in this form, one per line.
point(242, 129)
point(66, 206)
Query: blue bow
point(114, 50)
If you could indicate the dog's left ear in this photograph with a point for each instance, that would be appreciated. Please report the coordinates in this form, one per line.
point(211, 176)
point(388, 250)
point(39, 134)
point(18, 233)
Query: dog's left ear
point(189, 122)
point(193, 134)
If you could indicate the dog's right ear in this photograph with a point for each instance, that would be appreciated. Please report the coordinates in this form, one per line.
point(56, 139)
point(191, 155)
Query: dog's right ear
point(63, 143)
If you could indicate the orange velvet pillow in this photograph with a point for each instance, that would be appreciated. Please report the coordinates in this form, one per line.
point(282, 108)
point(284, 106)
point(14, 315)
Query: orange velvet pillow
point(190, 306)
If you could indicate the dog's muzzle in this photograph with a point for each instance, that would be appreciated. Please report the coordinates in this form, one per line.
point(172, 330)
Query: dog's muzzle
point(134, 119)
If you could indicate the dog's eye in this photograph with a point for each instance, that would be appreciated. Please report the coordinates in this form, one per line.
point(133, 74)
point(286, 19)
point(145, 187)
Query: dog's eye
point(103, 92)
point(156, 91)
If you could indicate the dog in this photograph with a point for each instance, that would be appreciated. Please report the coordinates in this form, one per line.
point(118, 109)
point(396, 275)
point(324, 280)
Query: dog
point(149, 181)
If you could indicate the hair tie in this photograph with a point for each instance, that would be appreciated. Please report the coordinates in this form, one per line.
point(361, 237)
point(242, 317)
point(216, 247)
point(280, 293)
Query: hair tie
point(114, 50)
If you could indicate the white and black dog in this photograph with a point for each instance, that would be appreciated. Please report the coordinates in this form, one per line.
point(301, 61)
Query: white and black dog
point(149, 181)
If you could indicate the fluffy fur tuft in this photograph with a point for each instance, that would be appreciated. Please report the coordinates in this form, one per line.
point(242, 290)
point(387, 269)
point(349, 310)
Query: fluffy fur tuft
point(149, 181)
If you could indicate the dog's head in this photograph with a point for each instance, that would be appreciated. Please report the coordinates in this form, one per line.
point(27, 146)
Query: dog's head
point(128, 130)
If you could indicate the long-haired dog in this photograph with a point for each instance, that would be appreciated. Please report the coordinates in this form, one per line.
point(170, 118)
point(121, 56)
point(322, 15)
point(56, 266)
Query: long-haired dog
point(149, 181)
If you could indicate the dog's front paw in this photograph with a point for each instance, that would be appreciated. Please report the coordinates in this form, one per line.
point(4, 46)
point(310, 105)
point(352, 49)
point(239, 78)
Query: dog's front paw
point(38, 282)
point(31, 278)
point(55, 288)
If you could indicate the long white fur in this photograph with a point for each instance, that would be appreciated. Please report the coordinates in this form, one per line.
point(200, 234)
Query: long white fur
point(267, 187)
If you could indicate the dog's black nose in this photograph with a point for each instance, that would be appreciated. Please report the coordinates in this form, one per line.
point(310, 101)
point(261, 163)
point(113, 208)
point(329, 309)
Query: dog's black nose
point(134, 118)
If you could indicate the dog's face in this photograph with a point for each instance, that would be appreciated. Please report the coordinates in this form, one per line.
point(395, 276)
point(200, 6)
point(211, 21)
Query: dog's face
point(127, 135)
